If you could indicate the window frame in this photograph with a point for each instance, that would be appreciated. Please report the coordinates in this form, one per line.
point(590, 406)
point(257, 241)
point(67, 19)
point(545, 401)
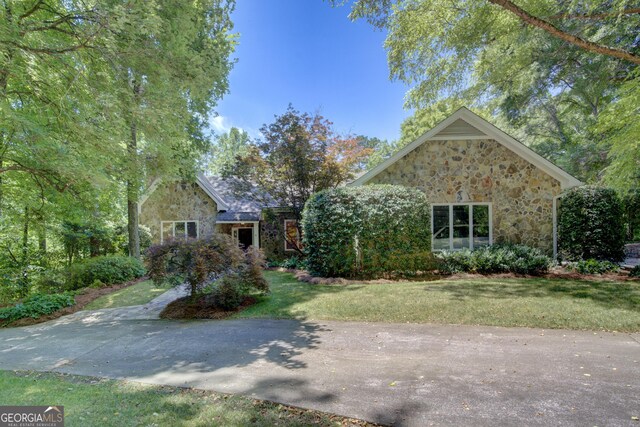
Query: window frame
point(173, 228)
point(298, 240)
point(470, 204)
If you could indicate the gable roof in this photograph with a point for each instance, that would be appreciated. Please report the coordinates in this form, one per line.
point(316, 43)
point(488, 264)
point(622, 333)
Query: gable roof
point(202, 182)
point(464, 124)
point(240, 196)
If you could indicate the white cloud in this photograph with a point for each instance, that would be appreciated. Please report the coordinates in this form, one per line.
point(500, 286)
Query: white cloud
point(220, 124)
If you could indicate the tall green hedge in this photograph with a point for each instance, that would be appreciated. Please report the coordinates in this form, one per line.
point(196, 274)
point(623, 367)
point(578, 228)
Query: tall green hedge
point(367, 231)
point(591, 225)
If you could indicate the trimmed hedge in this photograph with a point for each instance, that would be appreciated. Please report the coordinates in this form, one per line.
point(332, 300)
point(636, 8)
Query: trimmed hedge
point(35, 306)
point(105, 270)
point(367, 232)
point(591, 225)
point(499, 258)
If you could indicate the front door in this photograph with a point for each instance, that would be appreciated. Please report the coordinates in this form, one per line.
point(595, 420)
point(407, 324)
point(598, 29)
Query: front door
point(243, 236)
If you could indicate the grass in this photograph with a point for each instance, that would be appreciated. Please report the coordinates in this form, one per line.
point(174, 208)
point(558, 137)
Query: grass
point(90, 401)
point(140, 293)
point(527, 302)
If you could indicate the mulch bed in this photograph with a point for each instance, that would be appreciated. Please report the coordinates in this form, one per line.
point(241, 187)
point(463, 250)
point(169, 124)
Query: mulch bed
point(555, 273)
point(85, 296)
point(185, 308)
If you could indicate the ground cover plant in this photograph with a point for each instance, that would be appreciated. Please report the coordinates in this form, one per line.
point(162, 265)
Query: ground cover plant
point(35, 306)
point(499, 258)
point(539, 302)
point(593, 266)
point(367, 232)
point(90, 401)
point(103, 270)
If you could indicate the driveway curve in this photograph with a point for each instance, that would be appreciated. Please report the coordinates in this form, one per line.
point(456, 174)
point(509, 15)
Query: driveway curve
point(399, 374)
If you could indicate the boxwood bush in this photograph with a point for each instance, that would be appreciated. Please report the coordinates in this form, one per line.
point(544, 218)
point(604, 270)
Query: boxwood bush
point(369, 231)
point(499, 258)
point(593, 266)
point(591, 225)
point(105, 270)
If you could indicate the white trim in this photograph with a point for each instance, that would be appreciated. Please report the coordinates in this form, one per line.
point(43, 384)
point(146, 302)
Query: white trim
point(566, 180)
point(202, 182)
point(173, 227)
point(451, 205)
point(285, 234)
point(255, 225)
point(237, 222)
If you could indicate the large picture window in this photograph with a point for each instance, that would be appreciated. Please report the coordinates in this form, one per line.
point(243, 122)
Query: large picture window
point(461, 225)
point(178, 230)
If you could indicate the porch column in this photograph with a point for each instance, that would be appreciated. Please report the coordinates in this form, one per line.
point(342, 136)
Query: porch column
point(256, 234)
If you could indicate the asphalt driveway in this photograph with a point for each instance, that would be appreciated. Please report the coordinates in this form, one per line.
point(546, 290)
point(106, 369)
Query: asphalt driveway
point(401, 374)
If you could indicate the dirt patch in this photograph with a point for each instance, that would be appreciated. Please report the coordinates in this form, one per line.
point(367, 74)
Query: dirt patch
point(186, 308)
point(85, 296)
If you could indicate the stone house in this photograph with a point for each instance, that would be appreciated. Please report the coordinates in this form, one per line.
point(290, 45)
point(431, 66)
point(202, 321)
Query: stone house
point(484, 186)
point(212, 204)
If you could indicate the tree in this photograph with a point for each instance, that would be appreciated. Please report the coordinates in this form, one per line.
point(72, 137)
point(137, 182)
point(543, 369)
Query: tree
point(298, 156)
point(533, 66)
point(168, 81)
point(224, 154)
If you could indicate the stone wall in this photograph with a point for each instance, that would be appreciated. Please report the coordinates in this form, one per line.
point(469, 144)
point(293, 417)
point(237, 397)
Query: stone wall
point(461, 171)
point(179, 202)
point(272, 234)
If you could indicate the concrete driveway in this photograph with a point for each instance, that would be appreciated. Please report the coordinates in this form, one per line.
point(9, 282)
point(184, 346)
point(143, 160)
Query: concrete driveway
point(401, 374)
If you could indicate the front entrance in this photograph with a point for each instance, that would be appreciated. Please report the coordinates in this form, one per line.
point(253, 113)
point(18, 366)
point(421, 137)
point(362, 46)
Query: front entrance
point(243, 236)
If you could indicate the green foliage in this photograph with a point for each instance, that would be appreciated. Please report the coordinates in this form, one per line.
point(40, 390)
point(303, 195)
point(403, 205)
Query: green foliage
point(631, 202)
point(499, 258)
point(107, 270)
point(591, 225)
point(226, 150)
point(204, 265)
point(635, 271)
point(593, 266)
point(293, 263)
point(478, 54)
point(299, 155)
point(35, 306)
point(367, 231)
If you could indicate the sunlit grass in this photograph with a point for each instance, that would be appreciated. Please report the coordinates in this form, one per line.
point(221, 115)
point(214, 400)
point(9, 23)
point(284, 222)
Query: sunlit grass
point(91, 401)
point(529, 302)
point(140, 293)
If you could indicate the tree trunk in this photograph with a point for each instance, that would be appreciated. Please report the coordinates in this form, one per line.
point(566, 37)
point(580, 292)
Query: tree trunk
point(24, 279)
point(132, 196)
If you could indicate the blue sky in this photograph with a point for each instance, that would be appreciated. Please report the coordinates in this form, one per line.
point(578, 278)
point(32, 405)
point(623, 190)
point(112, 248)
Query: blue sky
point(309, 54)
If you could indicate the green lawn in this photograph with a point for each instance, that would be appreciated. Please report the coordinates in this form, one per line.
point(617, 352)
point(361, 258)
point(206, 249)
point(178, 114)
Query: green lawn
point(92, 401)
point(537, 302)
point(140, 293)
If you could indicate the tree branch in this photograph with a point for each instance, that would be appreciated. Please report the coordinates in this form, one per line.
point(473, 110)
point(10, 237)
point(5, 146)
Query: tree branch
point(569, 38)
point(596, 16)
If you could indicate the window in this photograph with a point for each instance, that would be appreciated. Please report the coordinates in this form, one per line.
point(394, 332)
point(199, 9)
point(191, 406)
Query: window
point(461, 225)
point(178, 230)
point(291, 235)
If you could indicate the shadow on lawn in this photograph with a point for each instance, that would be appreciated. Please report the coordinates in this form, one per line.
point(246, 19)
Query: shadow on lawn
point(608, 294)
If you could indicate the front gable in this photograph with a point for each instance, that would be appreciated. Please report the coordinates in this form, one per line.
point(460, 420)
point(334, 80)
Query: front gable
point(466, 125)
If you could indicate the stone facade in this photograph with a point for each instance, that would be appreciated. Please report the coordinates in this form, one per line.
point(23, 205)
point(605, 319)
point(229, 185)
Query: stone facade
point(179, 202)
point(482, 170)
point(272, 234)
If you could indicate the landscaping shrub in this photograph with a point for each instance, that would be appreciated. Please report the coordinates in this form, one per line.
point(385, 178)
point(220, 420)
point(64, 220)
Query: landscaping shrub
point(292, 263)
point(631, 204)
point(497, 258)
point(368, 231)
point(35, 306)
point(214, 268)
point(591, 225)
point(635, 271)
point(593, 266)
point(103, 269)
